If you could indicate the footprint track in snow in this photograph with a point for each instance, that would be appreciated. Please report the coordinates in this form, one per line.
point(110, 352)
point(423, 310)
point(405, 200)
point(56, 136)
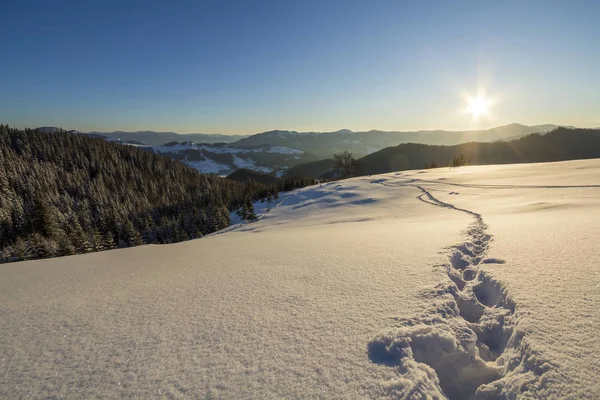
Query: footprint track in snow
point(463, 340)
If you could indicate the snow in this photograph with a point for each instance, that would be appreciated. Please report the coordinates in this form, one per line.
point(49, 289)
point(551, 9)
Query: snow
point(126, 143)
point(261, 209)
point(179, 147)
point(539, 273)
point(241, 163)
point(479, 281)
point(208, 166)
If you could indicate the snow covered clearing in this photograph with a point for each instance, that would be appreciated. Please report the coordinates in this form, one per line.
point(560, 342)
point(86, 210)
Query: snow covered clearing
point(478, 282)
point(249, 164)
point(224, 149)
point(208, 166)
point(240, 157)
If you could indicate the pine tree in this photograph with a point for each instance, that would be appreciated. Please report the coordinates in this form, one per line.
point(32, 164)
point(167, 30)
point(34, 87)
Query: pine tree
point(64, 193)
point(149, 234)
point(97, 240)
point(249, 213)
point(107, 241)
point(241, 212)
point(459, 161)
point(21, 250)
point(44, 220)
point(130, 235)
point(64, 246)
point(79, 240)
point(42, 247)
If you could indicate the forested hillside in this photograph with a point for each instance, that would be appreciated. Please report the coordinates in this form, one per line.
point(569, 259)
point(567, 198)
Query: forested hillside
point(245, 175)
point(63, 193)
point(314, 169)
point(560, 144)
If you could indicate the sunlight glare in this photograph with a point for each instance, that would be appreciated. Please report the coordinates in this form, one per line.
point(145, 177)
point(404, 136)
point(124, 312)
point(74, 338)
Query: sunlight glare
point(478, 106)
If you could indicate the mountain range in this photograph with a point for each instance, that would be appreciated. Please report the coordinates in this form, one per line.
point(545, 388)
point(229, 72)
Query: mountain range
point(158, 138)
point(279, 150)
point(560, 144)
point(324, 144)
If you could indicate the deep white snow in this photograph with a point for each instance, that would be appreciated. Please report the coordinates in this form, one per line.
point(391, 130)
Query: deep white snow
point(249, 164)
point(208, 166)
point(445, 283)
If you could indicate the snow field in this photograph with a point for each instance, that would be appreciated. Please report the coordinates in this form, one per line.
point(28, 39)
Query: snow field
point(281, 308)
point(463, 340)
point(543, 259)
point(474, 282)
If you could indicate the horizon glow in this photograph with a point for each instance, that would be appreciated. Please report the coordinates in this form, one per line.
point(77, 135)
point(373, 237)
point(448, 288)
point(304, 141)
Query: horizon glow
point(248, 67)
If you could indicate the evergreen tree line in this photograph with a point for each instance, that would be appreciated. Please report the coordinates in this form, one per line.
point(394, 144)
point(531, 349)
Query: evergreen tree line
point(560, 144)
point(64, 193)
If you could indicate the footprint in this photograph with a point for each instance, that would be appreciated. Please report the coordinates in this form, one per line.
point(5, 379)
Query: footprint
point(459, 373)
point(489, 292)
point(461, 339)
point(459, 261)
point(469, 274)
point(493, 261)
point(470, 309)
point(456, 278)
point(454, 360)
point(494, 337)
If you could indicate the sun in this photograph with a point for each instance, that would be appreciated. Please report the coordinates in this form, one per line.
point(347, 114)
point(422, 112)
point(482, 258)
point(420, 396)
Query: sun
point(478, 106)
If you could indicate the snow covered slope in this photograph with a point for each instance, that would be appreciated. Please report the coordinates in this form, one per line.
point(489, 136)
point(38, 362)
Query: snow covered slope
point(447, 283)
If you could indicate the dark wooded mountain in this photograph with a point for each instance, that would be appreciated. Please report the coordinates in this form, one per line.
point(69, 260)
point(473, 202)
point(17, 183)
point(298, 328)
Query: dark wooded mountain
point(558, 145)
point(246, 175)
point(314, 169)
point(63, 193)
point(324, 144)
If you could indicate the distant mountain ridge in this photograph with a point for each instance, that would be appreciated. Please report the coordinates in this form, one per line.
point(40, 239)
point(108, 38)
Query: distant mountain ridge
point(360, 141)
point(279, 150)
point(324, 144)
point(159, 138)
point(560, 144)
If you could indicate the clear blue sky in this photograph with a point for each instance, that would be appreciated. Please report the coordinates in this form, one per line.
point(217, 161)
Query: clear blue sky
point(250, 66)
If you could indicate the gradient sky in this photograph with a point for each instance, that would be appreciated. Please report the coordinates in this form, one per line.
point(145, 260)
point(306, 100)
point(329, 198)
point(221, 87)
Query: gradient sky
point(252, 66)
